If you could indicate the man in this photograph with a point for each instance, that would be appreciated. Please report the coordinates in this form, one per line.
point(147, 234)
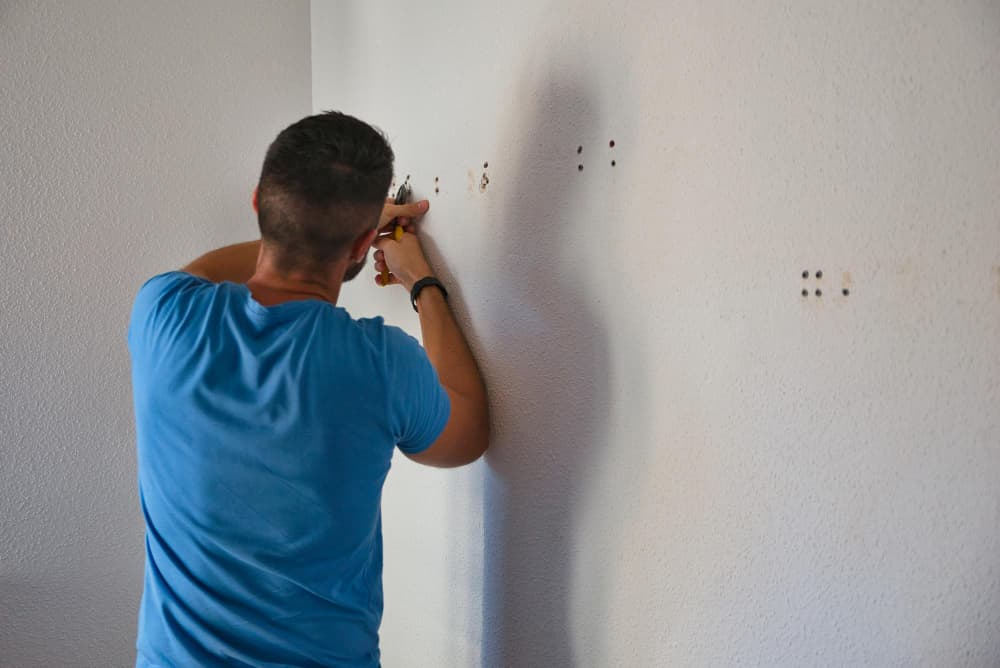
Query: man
point(267, 416)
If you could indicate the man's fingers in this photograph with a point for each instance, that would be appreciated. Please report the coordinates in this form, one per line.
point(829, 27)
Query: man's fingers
point(412, 210)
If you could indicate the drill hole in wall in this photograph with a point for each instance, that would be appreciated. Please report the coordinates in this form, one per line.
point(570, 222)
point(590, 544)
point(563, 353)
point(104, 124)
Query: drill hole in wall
point(805, 293)
point(486, 165)
point(579, 150)
point(819, 274)
point(819, 293)
point(847, 292)
point(579, 168)
point(805, 274)
point(611, 143)
point(613, 163)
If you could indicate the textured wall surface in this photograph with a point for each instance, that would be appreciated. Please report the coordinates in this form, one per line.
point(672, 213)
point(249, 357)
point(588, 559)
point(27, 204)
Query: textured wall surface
point(695, 465)
point(131, 134)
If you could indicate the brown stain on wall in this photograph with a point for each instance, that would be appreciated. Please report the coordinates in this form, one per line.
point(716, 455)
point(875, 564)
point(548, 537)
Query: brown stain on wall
point(846, 282)
point(911, 278)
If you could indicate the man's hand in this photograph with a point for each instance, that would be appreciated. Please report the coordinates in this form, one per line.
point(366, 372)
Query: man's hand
point(400, 214)
point(403, 259)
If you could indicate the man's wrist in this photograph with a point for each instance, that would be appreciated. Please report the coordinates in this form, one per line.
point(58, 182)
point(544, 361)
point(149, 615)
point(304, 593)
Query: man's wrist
point(427, 284)
point(416, 276)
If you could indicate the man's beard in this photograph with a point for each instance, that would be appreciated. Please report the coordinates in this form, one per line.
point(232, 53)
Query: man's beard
point(355, 269)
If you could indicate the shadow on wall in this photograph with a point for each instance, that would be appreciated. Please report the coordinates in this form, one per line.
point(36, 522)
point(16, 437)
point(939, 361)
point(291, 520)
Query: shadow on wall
point(548, 374)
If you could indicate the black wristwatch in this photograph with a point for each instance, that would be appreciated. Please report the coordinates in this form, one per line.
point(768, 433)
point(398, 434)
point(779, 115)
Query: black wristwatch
point(423, 283)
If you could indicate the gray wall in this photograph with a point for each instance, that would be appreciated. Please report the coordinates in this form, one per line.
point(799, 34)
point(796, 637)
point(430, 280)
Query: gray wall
point(693, 464)
point(130, 138)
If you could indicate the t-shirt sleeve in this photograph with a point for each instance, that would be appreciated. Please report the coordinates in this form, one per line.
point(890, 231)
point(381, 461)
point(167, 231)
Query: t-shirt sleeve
point(157, 304)
point(419, 405)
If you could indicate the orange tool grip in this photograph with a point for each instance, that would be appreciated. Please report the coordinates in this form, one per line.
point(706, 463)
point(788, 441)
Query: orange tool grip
point(397, 234)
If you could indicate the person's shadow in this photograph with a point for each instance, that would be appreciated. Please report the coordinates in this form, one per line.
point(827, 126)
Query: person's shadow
point(548, 377)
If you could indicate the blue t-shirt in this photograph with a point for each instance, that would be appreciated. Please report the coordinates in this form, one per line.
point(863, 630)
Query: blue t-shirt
point(264, 437)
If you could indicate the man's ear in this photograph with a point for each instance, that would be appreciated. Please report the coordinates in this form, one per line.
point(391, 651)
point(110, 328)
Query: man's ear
point(255, 201)
point(359, 249)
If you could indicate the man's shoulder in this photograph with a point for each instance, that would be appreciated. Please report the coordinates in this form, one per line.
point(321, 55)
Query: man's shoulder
point(159, 300)
point(170, 279)
point(165, 285)
point(389, 337)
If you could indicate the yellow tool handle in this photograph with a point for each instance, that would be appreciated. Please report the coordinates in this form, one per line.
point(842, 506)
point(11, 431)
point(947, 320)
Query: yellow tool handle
point(397, 234)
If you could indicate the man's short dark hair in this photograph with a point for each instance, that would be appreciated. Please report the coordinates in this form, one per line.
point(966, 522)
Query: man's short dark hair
point(324, 183)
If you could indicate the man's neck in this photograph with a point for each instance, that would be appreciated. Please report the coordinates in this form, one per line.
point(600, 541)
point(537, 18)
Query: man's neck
point(270, 287)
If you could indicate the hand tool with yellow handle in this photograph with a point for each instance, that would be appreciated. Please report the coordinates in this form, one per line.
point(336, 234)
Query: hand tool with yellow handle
point(402, 197)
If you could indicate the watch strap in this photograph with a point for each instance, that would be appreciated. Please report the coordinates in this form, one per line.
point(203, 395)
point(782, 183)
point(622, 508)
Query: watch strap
point(423, 283)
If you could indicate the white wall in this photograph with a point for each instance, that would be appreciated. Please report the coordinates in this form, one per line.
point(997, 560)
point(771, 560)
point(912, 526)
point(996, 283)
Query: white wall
point(693, 464)
point(131, 135)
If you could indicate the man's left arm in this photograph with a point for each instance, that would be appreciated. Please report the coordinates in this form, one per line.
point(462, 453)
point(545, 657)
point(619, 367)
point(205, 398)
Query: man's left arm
point(235, 263)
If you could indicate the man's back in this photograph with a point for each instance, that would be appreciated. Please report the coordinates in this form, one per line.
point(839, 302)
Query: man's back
point(264, 437)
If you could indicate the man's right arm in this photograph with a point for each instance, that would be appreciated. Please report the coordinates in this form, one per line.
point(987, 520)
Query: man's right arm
point(466, 435)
